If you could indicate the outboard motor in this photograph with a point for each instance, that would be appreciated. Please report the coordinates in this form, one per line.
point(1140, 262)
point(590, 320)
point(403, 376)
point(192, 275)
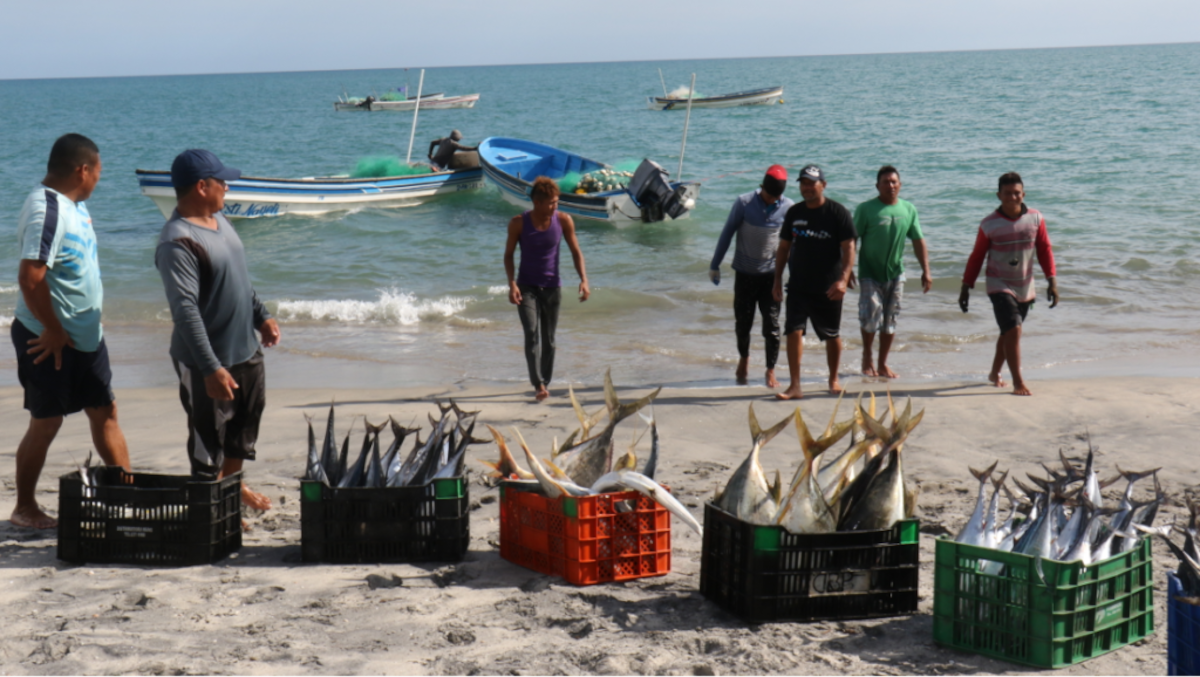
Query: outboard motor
point(651, 190)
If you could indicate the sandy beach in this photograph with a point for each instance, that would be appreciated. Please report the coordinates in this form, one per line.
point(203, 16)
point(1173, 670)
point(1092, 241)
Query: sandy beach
point(262, 611)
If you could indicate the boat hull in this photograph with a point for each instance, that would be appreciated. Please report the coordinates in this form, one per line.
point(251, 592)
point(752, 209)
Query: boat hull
point(253, 197)
point(614, 207)
point(757, 97)
point(442, 103)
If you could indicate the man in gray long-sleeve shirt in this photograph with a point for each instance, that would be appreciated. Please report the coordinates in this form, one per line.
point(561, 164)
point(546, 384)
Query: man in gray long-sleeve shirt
point(755, 218)
point(221, 376)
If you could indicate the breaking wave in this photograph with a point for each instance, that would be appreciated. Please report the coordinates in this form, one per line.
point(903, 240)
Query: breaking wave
point(393, 307)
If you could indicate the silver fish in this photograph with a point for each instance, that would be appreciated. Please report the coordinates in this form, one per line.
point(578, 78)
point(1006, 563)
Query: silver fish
point(972, 532)
point(591, 458)
point(644, 485)
point(652, 462)
point(747, 495)
point(314, 470)
point(804, 510)
point(883, 503)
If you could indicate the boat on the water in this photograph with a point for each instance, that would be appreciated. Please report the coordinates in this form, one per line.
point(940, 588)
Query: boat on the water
point(753, 97)
point(251, 197)
point(363, 103)
point(647, 196)
point(441, 102)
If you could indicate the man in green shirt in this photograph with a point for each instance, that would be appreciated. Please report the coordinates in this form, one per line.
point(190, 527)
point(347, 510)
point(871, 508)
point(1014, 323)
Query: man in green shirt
point(883, 223)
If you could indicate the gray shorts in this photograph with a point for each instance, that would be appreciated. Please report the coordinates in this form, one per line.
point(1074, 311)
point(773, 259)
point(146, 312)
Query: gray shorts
point(879, 305)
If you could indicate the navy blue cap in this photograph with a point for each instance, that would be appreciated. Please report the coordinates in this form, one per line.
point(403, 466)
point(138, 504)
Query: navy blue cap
point(812, 173)
point(198, 164)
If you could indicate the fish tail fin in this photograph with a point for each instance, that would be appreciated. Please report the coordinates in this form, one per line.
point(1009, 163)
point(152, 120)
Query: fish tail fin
point(579, 413)
point(769, 434)
point(755, 428)
point(873, 426)
point(624, 411)
point(833, 416)
point(807, 443)
point(998, 483)
point(983, 475)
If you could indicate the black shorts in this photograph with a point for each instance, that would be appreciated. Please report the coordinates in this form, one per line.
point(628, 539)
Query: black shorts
point(85, 380)
point(1010, 313)
point(219, 429)
point(825, 315)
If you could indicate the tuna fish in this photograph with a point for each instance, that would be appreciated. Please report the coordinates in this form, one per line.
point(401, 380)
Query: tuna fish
point(747, 495)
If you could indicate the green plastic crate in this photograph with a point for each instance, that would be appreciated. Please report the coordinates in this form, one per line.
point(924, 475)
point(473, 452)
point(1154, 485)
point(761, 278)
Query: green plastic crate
point(997, 604)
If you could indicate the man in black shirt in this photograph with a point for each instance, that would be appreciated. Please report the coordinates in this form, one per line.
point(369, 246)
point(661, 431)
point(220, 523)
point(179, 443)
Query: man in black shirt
point(817, 245)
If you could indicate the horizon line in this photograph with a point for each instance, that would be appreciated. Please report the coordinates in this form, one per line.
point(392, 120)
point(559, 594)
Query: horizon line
point(574, 63)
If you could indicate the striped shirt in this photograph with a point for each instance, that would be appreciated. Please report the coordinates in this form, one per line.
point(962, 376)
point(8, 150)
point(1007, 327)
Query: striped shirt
point(1009, 246)
point(58, 232)
point(757, 227)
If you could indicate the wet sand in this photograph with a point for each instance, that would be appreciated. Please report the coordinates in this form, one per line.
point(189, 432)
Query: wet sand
point(264, 612)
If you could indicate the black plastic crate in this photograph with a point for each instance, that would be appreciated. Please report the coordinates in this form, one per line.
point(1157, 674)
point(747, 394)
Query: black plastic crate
point(766, 573)
point(427, 523)
point(142, 518)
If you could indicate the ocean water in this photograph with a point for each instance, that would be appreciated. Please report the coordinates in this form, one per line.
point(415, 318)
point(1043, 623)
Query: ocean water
point(1107, 140)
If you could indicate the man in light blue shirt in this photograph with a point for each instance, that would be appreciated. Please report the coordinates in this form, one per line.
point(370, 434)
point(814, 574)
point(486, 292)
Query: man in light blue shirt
point(755, 219)
point(62, 360)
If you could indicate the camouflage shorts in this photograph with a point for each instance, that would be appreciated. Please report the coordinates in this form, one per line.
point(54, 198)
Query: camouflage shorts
point(879, 305)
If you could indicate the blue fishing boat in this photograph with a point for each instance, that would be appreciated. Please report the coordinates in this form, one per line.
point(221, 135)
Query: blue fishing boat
point(251, 197)
point(644, 196)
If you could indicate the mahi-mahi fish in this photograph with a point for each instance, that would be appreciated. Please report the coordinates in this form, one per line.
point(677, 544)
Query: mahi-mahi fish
point(747, 495)
point(587, 461)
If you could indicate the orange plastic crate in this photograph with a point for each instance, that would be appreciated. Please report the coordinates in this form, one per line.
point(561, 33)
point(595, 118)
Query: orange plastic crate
point(585, 540)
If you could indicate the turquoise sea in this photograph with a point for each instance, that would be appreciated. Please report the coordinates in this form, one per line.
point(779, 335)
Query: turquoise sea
point(1106, 138)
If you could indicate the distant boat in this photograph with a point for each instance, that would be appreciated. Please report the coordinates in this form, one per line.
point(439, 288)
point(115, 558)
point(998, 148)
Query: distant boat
point(251, 197)
point(513, 164)
point(360, 102)
point(441, 102)
point(753, 97)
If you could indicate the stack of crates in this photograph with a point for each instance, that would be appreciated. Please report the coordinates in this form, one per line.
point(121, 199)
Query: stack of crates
point(1183, 631)
point(426, 523)
point(1040, 612)
point(586, 539)
point(766, 574)
point(142, 518)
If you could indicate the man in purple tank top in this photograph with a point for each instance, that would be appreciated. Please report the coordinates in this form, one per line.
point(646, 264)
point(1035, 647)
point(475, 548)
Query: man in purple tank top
point(536, 288)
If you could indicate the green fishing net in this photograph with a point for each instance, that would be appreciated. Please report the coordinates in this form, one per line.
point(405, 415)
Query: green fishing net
point(385, 165)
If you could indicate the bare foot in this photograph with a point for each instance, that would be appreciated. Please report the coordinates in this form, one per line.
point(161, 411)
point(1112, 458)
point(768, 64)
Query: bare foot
point(246, 526)
point(996, 380)
point(743, 371)
point(792, 393)
point(1020, 389)
point(886, 372)
point(835, 386)
point(32, 518)
point(868, 369)
point(541, 393)
point(772, 382)
point(255, 500)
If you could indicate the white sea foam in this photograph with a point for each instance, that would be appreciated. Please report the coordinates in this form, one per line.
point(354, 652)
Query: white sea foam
point(6, 320)
point(392, 307)
point(498, 290)
point(9, 289)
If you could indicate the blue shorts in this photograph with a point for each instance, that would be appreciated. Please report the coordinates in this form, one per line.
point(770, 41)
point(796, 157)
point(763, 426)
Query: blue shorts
point(85, 380)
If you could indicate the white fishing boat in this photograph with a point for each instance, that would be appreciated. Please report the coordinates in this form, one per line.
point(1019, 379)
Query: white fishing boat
point(754, 97)
point(647, 196)
point(441, 102)
point(252, 197)
point(361, 103)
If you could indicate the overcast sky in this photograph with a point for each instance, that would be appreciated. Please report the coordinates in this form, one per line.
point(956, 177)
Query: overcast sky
point(87, 38)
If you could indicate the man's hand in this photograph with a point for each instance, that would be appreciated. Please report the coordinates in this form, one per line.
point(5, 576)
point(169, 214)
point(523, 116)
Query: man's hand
point(853, 281)
point(1052, 292)
point(714, 274)
point(837, 290)
point(964, 297)
point(270, 333)
point(926, 282)
point(584, 291)
point(51, 342)
point(514, 294)
point(777, 291)
point(220, 385)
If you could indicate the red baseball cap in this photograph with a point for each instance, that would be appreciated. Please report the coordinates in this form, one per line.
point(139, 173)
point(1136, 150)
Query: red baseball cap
point(777, 172)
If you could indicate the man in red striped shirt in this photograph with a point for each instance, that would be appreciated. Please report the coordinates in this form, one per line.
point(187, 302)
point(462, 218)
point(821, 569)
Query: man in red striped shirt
point(1010, 238)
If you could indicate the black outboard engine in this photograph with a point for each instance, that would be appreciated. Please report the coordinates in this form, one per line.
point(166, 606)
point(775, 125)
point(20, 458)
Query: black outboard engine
point(651, 189)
